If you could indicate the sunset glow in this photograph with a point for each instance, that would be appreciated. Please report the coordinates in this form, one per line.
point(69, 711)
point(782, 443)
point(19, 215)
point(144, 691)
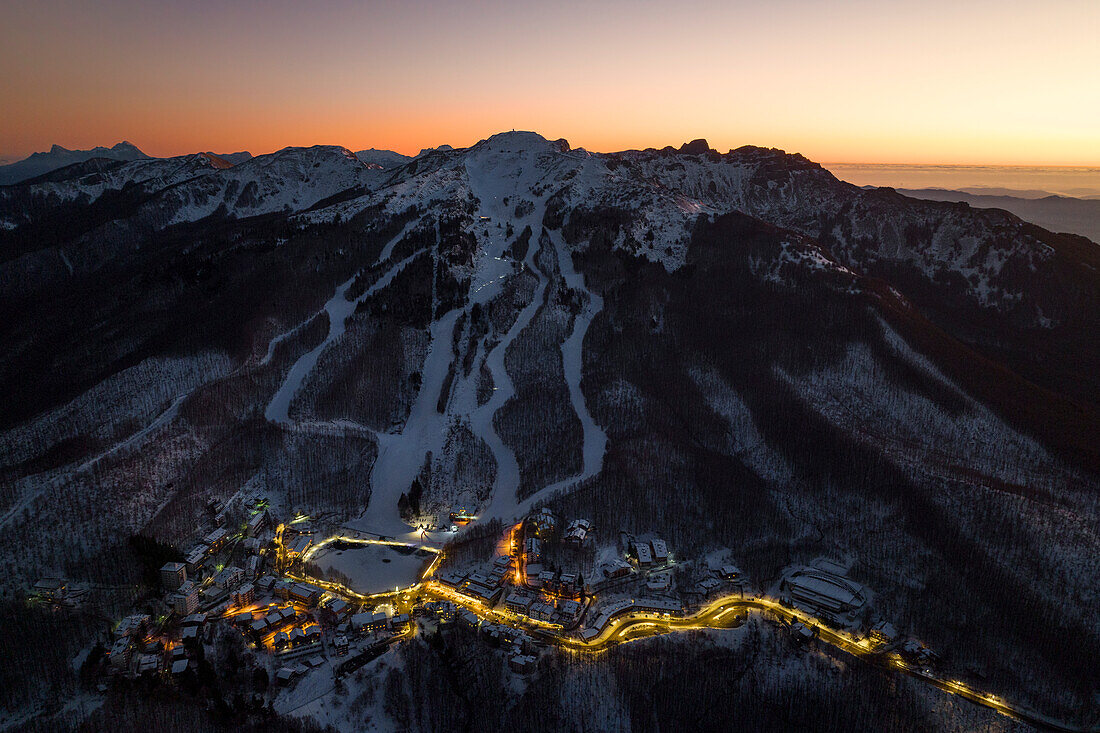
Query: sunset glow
point(857, 81)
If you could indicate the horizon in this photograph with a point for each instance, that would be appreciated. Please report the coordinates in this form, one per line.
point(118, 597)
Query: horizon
point(7, 158)
point(926, 83)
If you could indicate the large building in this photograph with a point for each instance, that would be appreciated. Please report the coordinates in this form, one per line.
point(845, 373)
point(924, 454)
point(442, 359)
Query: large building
point(828, 595)
point(186, 599)
point(173, 575)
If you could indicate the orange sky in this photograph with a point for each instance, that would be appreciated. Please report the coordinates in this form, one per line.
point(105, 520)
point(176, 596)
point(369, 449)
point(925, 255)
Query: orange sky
point(848, 80)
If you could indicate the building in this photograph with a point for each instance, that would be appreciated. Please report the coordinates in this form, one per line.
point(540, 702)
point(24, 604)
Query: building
point(312, 632)
point(660, 551)
point(729, 572)
point(533, 550)
point(399, 623)
point(228, 577)
point(518, 602)
point(659, 581)
point(216, 540)
point(305, 593)
point(254, 566)
point(546, 580)
point(120, 654)
point(522, 663)
point(341, 645)
point(244, 595)
point(131, 624)
point(884, 633)
point(545, 522)
point(256, 523)
point(367, 622)
point(577, 531)
point(185, 600)
point(828, 595)
point(569, 609)
point(50, 589)
point(707, 586)
point(616, 568)
point(173, 575)
point(196, 558)
point(643, 553)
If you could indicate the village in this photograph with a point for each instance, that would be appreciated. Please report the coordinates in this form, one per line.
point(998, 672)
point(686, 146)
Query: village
point(549, 584)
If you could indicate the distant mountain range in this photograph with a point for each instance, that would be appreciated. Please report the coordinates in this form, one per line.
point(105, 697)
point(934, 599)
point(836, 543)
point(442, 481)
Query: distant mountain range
point(58, 157)
point(1057, 213)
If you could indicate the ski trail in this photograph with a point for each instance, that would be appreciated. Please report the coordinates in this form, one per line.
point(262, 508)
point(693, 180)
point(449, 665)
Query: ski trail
point(339, 308)
point(384, 255)
point(507, 506)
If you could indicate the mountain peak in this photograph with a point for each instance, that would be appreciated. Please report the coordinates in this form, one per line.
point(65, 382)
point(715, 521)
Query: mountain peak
point(699, 146)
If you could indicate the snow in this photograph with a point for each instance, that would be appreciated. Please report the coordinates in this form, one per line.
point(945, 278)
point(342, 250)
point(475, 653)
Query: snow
point(373, 568)
point(338, 309)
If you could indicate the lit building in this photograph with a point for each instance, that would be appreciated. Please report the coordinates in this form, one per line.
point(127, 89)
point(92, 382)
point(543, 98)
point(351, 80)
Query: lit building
point(660, 551)
point(828, 595)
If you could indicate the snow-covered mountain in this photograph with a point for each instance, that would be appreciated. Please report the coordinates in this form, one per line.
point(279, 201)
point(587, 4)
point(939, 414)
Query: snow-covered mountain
point(382, 158)
point(58, 157)
point(729, 349)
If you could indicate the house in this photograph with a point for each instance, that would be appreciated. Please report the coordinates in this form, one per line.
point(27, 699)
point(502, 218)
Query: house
point(312, 632)
point(884, 633)
point(522, 663)
point(659, 581)
point(568, 584)
point(50, 589)
point(399, 623)
point(518, 602)
point(468, 618)
point(255, 564)
point(191, 632)
point(728, 572)
point(577, 531)
point(179, 666)
point(281, 640)
point(545, 522)
point(660, 551)
point(297, 636)
point(707, 586)
point(340, 643)
point(643, 553)
point(616, 568)
point(173, 575)
point(569, 609)
point(284, 676)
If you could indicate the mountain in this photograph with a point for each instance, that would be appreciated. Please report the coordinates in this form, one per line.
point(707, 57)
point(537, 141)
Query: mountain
point(1057, 213)
point(233, 158)
point(736, 352)
point(58, 157)
point(382, 158)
